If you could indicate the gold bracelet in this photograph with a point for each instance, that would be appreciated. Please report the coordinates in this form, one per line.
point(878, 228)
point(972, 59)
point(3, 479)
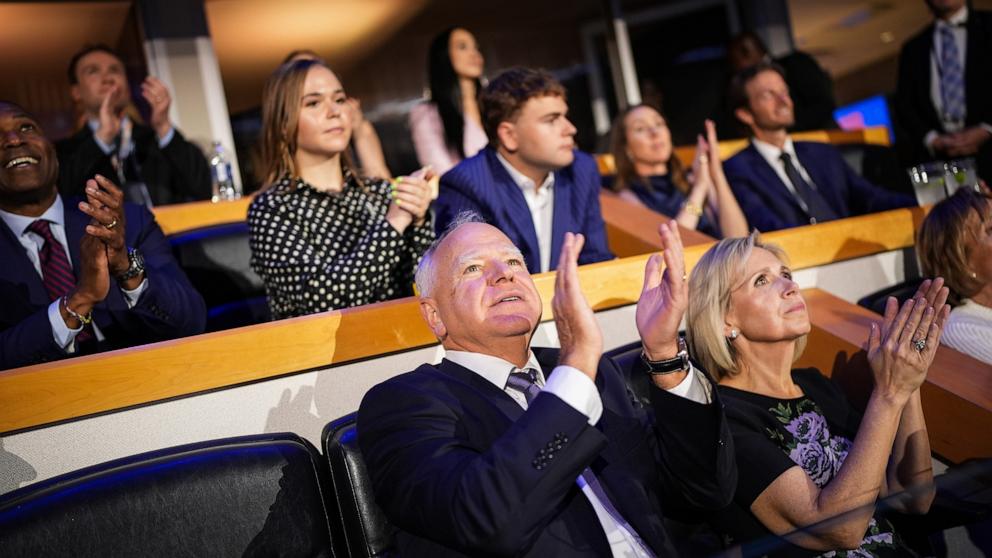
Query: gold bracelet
point(692, 209)
point(83, 319)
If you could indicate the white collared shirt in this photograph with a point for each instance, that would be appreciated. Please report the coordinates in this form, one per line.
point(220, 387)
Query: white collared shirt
point(541, 202)
point(579, 392)
point(64, 336)
point(773, 155)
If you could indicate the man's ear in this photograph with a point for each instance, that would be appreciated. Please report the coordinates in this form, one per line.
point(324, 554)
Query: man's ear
point(74, 93)
point(507, 134)
point(428, 309)
point(745, 116)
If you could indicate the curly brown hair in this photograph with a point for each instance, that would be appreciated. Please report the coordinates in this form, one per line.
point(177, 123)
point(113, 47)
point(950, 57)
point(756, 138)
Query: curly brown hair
point(506, 94)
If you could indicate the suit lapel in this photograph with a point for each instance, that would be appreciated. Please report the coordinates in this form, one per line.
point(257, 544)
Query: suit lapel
point(20, 268)
point(821, 179)
point(561, 221)
point(484, 388)
point(767, 175)
point(515, 209)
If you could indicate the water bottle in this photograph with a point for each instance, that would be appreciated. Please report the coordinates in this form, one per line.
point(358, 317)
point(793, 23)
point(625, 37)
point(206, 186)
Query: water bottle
point(223, 180)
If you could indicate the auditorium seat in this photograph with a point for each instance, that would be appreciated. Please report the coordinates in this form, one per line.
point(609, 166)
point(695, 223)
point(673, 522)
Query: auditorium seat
point(217, 260)
point(258, 495)
point(878, 164)
point(366, 531)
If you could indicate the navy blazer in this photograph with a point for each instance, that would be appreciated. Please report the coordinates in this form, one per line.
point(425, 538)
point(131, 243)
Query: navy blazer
point(915, 112)
point(461, 469)
point(169, 307)
point(481, 184)
point(769, 205)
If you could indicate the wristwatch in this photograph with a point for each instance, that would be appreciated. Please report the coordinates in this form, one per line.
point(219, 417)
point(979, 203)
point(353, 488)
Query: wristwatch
point(679, 363)
point(136, 267)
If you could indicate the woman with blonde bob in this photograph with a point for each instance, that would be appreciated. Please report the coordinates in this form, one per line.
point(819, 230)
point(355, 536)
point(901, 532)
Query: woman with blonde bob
point(323, 237)
point(810, 467)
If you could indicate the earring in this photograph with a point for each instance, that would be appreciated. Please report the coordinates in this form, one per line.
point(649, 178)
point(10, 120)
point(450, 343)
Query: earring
point(974, 275)
point(733, 335)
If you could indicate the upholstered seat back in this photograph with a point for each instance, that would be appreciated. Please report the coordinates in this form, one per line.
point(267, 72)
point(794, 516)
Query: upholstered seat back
point(366, 531)
point(249, 496)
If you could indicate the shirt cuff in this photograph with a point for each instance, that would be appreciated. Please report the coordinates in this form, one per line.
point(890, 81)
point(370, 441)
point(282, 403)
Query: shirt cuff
point(929, 139)
point(162, 142)
point(107, 149)
point(694, 387)
point(577, 390)
point(131, 297)
point(65, 337)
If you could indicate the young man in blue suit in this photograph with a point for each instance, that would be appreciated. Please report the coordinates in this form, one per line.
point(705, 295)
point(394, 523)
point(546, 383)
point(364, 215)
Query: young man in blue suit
point(499, 450)
point(780, 183)
point(530, 182)
point(78, 276)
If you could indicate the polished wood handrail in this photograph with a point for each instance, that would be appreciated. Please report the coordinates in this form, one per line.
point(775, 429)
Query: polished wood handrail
point(957, 392)
point(51, 392)
point(188, 216)
point(631, 229)
point(875, 135)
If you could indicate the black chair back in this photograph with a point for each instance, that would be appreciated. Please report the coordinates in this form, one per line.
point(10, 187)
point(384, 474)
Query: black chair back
point(366, 531)
point(217, 261)
point(258, 495)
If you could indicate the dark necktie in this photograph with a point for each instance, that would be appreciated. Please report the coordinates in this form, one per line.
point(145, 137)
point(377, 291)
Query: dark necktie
point(56, 273)
point(811, 201)
point(524, 381)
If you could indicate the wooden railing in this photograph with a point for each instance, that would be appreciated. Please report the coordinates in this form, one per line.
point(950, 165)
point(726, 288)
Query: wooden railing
point(188, 216)
point(957, 396)
point(57, 391)
point(877, 135)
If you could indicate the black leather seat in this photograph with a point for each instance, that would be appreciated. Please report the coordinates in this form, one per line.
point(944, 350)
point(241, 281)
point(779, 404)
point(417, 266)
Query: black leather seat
point(217, 261)
point(902, 291)
point(258, 495)
point(365, 529)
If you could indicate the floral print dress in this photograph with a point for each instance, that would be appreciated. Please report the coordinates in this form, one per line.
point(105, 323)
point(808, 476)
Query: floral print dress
point(772, 435)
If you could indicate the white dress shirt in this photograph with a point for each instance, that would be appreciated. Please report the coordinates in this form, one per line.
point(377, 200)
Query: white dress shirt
point(65, 337)
point(773, 155)
point(541, 201)
point(579, 391)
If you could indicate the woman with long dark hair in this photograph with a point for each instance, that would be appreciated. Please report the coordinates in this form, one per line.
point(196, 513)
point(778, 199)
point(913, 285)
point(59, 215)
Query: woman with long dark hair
point(448, 127)
point(650, 174)
point(323, 237)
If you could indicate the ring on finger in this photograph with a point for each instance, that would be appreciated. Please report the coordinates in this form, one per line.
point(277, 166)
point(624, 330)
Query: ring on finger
point(111, 224)
point(920, 344)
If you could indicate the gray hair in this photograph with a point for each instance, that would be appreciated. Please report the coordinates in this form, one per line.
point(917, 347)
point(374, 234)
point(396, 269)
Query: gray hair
point(424, 277)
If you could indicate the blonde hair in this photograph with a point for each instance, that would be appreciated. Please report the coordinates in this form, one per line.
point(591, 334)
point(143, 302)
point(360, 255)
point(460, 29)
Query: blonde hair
point(713, 280)
point(281, 120)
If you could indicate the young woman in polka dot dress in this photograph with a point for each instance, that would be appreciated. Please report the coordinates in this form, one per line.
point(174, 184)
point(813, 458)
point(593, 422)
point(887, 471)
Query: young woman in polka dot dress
point(322, 237)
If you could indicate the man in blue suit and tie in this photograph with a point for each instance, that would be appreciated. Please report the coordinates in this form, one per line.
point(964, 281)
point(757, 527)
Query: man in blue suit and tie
point(500, 450)
point(530, 182)
point(78, 276)
point(780, 183)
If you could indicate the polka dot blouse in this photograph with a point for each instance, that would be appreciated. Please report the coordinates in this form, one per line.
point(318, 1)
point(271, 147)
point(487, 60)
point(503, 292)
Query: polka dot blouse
point(318, 251)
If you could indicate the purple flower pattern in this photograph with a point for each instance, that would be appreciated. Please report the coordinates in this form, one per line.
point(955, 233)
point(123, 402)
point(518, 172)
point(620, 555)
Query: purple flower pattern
point(805, 437)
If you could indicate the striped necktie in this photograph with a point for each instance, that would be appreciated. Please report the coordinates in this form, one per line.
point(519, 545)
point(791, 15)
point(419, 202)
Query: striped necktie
point(56, 273)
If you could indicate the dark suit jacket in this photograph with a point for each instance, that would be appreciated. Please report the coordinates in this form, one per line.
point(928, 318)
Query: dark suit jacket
point(169, 307)
point(915, 112)
point(174, 174)
point(462, 469)
point(769, 205)
point(481, 184)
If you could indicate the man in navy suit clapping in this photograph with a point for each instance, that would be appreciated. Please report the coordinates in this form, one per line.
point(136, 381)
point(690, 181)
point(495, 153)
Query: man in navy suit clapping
point(530, 182)
point(780, 183)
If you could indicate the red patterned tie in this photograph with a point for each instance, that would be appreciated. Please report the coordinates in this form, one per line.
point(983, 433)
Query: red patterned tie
point(56, 273)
